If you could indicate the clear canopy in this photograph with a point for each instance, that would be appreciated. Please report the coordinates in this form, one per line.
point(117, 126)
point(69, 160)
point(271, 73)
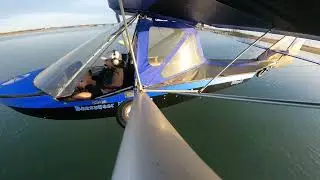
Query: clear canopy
point(173, 50)
point(161, 43)
point(61, 78)
point(187, 56)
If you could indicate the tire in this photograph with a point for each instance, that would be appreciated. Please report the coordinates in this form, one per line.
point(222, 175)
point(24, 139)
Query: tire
point(123, 113)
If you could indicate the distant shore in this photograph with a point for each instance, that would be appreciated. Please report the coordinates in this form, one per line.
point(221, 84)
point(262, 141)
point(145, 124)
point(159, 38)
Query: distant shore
point(306, 48)
point(49, 29)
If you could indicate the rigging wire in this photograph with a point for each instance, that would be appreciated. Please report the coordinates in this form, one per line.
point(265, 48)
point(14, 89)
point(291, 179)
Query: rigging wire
point(236, 58)
point(271, 101)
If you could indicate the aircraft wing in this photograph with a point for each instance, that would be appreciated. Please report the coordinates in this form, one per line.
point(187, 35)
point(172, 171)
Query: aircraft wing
point(279, 15)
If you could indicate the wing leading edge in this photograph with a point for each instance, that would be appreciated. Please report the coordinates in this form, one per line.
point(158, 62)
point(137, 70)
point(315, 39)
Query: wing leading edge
point(152, 149)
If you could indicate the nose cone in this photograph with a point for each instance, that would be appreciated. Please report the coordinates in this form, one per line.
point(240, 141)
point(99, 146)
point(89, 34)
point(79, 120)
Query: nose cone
point(18, 86)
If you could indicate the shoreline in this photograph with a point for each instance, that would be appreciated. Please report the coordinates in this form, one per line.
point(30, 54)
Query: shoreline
point(306, 48)
point(11, 33)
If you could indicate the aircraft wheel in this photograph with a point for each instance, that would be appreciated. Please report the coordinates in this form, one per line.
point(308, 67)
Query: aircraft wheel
point(261, 72)
point(123, 113)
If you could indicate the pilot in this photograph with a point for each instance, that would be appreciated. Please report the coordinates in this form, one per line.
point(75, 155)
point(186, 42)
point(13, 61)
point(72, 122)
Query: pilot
point(115, 64)
point(91, 89)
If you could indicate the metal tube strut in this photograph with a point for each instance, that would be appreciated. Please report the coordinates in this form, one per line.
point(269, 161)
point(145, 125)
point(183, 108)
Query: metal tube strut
point(130, 45)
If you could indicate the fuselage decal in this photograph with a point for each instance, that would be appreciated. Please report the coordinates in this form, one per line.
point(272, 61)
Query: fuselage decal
point(93, 108)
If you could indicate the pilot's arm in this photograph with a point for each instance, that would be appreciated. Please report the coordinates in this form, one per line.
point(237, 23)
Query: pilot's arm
point(92, 91)
point(89, 85)
point(82, 96)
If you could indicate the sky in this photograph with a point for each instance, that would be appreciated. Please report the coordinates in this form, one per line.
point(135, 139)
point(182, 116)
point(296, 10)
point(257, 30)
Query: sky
point(31, 14)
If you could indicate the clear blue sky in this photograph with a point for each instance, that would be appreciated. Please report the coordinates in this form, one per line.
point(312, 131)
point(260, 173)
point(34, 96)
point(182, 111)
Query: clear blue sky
point(31, 14)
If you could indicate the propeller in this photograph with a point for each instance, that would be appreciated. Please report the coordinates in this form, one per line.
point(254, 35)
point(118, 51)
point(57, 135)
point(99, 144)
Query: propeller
point(151, 148)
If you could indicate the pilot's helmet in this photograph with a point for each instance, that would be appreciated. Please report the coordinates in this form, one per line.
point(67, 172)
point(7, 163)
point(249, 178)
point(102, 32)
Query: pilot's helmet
point(115, 57)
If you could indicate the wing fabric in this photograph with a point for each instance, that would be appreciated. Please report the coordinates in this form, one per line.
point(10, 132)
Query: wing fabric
point(280, 15)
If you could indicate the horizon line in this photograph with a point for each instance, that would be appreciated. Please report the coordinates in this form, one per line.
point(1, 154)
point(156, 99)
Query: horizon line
point(52, 27)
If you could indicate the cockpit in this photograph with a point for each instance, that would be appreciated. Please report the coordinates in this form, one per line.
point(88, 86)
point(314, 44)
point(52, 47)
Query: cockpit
point(115, 74)
point(89, 64)
point(164, 52)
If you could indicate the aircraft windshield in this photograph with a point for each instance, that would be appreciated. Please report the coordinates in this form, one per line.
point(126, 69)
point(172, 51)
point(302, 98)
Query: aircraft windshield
point(61, 78)
point(187, 56)
point(171, 51)
point(161, 42)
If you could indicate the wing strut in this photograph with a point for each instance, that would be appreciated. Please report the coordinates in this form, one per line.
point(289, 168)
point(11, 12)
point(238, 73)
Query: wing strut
point(257, 40)
point(151, 148)
point(130, 45)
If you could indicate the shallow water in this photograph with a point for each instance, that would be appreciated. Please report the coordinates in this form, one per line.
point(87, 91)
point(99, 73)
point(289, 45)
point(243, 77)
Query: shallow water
point(238, 140)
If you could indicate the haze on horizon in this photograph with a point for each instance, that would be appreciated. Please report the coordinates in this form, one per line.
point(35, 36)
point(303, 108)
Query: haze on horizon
point(16, 15)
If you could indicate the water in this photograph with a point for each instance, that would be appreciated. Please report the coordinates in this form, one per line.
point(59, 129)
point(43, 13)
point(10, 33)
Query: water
point(238, 140)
